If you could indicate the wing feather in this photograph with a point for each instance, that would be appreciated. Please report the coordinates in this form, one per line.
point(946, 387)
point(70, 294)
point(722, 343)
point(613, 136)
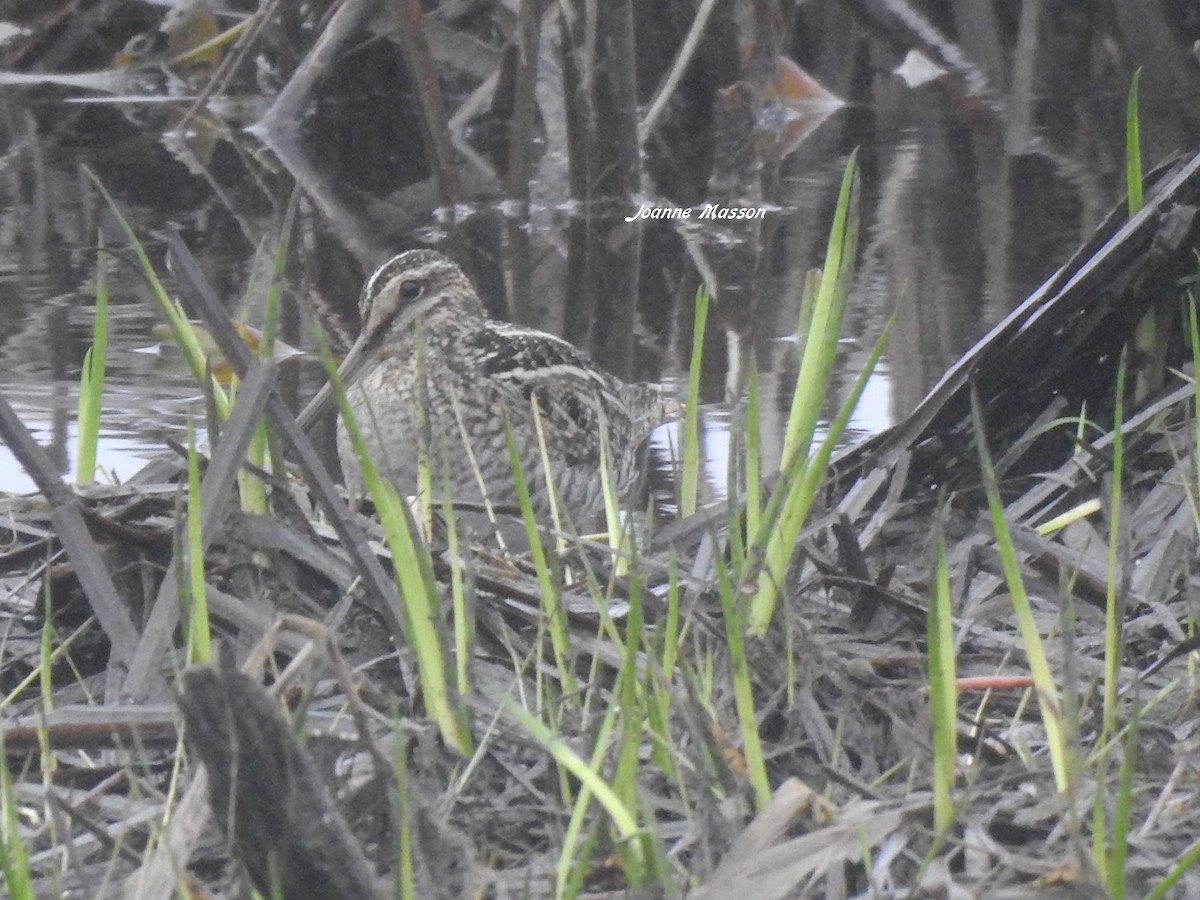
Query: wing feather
point(532, 367)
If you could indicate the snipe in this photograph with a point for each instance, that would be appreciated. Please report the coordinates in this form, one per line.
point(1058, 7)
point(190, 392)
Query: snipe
point(431, 371)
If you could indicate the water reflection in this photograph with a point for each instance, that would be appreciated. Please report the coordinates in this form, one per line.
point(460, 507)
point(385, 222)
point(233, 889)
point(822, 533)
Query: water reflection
point(967, 204)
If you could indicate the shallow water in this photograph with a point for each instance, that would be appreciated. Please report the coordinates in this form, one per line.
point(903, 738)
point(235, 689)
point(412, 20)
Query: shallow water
point(966, 204)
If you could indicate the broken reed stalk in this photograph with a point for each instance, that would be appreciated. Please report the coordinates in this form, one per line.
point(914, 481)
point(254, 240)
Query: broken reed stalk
point(439, 151)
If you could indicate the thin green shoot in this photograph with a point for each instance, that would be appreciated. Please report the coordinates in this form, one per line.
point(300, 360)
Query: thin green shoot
point(689, 476)
point(405, 881)
point(1124, 809)
point(414, 577)
point(546, 698)
point(568, 875)
point(943, 702)
point(252, 492)
point(46, 662)
point(581, 867)
point(659, 863)
point(594, 694)
point(464, 621)
point(623, 818)
point(14, 857)
point(91, 379)
point(1158, 697)
point(45, 669)
point(556, 516)
point(1071, 700)
point(657, 699)
point(743, 691)
point(554, 614)
point(632, 720)
point(426, 453)
point(199, 634)
point(1186, 861)
point(602, 598)
point(472, 461)
point(1047, 692)
point(181, 329)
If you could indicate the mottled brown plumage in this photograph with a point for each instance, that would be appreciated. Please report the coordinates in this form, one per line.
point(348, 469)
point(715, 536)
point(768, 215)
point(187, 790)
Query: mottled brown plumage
point(432, 370)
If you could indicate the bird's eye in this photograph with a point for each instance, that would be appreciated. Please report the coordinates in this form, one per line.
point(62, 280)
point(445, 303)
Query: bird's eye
point(410, 290)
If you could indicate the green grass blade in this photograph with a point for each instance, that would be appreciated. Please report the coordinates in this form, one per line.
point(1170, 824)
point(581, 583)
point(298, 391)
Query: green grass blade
point(1186, 861)
point(46, 678)
point(464, 621)
point(820, 347)
point(14, 857)
point(1123, 814)
point(414, 577)
point(789, 504)
point(793, 498)
point(18, 690)
point(1133, 147)
point(554, 615)
point(405, 881)
point(622, 817)
point(91, 379)
point(199, 634)
point(1048, 700)
point(743, 691)
point(636, 854)
point(251, 490)
point(181, 329)
point(619, 536)
point(568, 874)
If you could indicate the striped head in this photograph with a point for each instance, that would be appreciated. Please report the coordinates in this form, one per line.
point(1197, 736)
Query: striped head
point(416, 286)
